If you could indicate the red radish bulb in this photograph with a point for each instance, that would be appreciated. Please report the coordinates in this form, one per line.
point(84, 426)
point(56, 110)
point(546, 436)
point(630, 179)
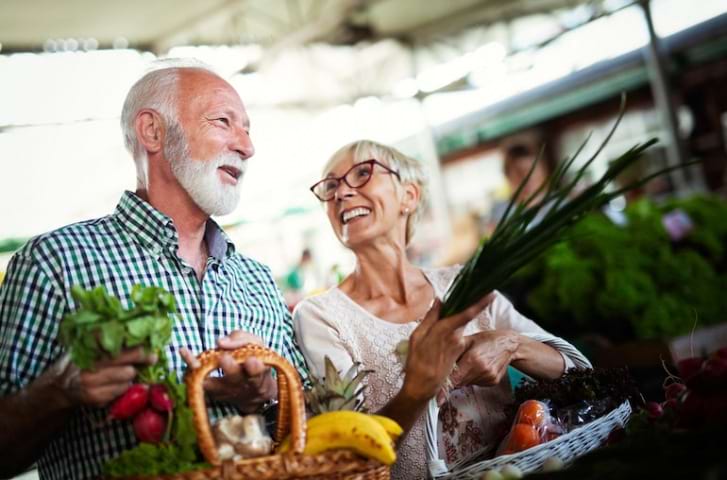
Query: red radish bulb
point(159, 399)
point(130, 403)
point(716, 369)
point(689, 367)
point(674, 390)
point(149, 426)
point(654, 410)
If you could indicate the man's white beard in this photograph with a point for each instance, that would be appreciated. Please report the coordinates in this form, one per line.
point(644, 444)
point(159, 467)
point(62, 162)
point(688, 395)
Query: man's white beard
point(201, 179)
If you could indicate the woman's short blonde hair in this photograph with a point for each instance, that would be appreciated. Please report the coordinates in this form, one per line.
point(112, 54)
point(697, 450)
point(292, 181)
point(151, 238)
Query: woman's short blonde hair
point(410, 171)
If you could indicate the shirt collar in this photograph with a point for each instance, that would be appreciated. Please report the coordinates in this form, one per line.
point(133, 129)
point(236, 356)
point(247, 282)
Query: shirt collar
point(156, 231)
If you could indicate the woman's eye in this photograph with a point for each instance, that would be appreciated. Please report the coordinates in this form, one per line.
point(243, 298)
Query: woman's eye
point(362, 172)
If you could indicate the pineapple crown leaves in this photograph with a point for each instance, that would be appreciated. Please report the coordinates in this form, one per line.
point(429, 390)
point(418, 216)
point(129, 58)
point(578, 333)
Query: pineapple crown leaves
point(517, 239)
point(335, 392)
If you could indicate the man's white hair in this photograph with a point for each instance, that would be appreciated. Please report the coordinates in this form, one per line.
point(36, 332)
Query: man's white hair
point(156, 90)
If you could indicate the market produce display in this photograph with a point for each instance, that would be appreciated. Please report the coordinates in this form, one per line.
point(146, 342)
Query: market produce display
point(338, 421)
point(598, 278)
point(518, 239)
point(681, 437)
point(156, 405)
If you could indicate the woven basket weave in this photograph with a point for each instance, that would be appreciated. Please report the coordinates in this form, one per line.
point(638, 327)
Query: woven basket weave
point(567, 447)
point(331, 465)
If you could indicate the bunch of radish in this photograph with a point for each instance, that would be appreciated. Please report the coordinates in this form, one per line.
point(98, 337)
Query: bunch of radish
point(698, 396)
point(151, 409)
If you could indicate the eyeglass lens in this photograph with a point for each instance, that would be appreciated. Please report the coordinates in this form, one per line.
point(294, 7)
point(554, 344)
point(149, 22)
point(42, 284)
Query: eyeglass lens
point(356, 177)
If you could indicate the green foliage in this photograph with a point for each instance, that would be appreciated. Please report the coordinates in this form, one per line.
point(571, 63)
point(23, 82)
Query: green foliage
point(634, 281)
point(178, 454)
point(148, 459)
point(101, 327)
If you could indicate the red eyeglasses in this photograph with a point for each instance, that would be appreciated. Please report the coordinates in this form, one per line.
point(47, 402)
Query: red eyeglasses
point(356, 177)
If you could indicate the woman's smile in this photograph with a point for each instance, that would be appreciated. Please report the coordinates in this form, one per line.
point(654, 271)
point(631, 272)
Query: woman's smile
point(353, 214)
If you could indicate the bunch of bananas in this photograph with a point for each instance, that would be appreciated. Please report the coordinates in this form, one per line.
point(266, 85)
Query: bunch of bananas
point(372, 436)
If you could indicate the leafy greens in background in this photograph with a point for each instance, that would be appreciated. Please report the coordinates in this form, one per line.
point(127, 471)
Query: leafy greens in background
point(632, 281)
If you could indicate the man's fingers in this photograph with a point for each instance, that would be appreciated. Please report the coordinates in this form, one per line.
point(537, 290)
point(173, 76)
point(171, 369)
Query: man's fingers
point(230, 368)
point(254, 367)
point(189, 358)
point(102, 396)
point(238, 339)
point(217, 387)
point(133, 356)
point(109, 376)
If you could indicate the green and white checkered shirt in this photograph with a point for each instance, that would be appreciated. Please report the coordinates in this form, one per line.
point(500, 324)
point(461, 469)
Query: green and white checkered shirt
point(135, 245)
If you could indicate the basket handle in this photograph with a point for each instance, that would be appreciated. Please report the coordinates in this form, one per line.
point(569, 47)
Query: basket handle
point(291, 405)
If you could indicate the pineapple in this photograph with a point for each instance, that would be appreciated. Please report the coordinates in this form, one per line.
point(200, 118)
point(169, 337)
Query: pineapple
point(334, 392)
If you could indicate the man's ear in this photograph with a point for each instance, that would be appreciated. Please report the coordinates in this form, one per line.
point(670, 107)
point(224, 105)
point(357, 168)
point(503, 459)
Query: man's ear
point(149, 130)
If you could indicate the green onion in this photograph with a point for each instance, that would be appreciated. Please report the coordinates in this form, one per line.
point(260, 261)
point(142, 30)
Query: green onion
point(517, 239)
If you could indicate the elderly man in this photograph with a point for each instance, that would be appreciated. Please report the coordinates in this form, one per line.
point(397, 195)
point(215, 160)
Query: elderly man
point(189, 133)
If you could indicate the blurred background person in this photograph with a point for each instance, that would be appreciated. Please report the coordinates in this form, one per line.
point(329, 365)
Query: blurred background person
point(518, 160)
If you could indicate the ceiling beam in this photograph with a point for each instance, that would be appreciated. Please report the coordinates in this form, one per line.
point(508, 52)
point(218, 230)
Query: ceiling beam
point(485, 12)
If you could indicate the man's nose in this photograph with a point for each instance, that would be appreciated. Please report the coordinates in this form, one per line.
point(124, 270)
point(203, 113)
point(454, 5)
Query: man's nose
point(243, 144)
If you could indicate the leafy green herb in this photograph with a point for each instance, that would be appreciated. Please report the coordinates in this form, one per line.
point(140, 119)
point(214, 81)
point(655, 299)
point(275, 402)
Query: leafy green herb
point(148, 459)
point(100, 328)
point(582, 384)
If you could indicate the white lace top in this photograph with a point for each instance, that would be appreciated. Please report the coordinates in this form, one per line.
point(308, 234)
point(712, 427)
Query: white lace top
point(333, 324)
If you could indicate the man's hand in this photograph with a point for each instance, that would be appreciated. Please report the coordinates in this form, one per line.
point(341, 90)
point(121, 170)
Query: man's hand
point(99, 386)
point(246, 385)
point(486, 358)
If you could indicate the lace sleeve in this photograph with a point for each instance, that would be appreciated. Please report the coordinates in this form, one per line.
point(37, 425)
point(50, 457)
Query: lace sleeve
point(319, 335)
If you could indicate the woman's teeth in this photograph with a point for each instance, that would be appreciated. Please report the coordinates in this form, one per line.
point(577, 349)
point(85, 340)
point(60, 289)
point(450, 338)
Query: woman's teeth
point(355, 212)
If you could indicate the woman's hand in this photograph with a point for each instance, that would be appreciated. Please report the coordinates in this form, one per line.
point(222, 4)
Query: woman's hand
point(486, 358)
point(434, 348)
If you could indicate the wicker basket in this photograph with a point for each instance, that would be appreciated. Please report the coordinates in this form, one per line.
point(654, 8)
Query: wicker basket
point(567, 447)
point(332, 465)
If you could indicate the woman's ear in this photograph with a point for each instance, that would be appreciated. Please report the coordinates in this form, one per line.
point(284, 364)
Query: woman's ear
point(410, 199)
point(149, 130)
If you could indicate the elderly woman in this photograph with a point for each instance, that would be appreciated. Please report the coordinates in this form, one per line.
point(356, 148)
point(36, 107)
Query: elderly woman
point(373, 196)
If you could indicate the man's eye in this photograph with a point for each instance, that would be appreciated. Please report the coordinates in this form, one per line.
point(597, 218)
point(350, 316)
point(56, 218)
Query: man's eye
point(223, 120)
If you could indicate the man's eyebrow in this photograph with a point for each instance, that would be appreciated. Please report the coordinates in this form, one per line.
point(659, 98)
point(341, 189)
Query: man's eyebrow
point(233, 114)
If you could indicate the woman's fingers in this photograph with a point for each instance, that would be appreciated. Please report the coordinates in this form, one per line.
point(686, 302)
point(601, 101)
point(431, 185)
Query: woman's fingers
point(461, 319)
point(431, 316)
